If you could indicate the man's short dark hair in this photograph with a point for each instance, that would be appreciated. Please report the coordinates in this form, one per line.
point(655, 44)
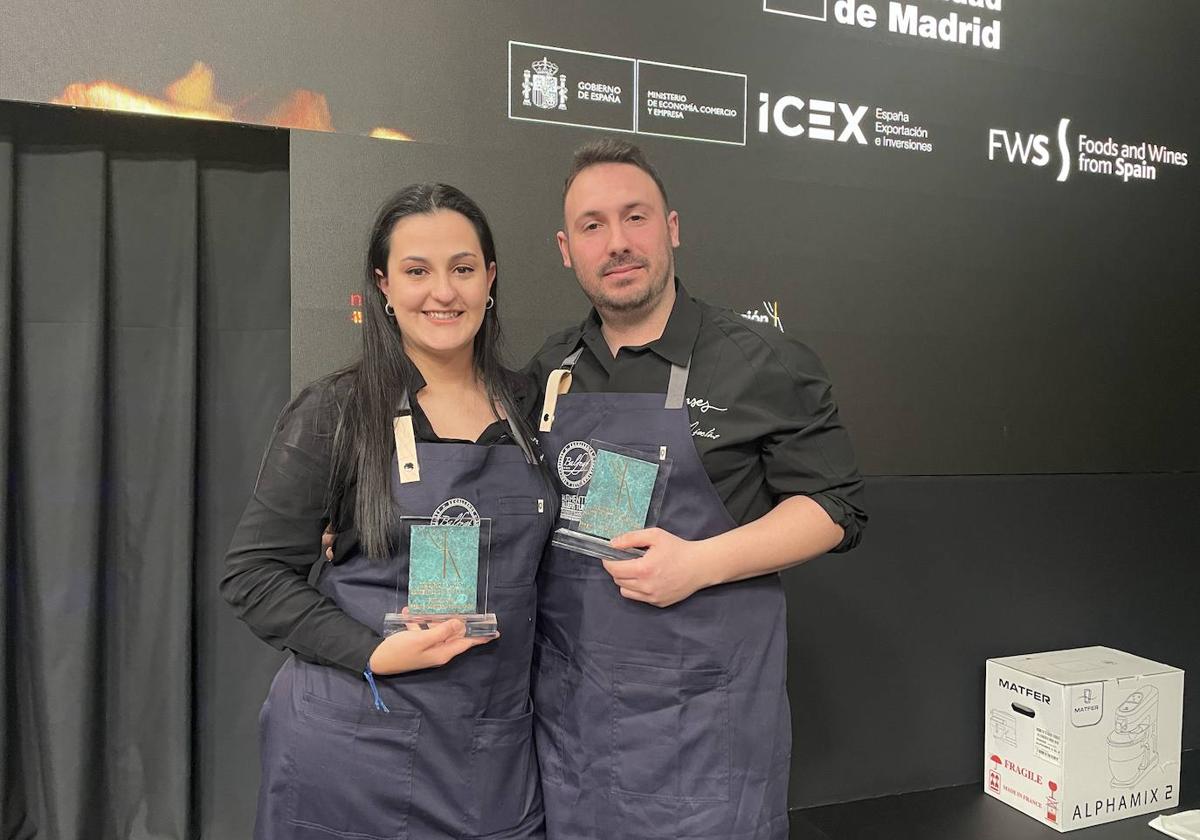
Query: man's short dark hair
point(612, 150)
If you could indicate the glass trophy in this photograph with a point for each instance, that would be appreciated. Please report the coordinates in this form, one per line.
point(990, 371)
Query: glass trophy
point(625, 493)
point(447, 575)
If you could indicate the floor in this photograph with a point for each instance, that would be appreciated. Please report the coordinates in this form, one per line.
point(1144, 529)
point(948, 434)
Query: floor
point(967, 813)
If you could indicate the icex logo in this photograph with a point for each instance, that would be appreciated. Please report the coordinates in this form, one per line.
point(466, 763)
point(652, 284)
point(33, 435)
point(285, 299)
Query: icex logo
point(820, 118)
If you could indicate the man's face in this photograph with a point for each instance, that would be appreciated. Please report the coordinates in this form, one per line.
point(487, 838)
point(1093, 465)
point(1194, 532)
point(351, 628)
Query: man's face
point(619, 237)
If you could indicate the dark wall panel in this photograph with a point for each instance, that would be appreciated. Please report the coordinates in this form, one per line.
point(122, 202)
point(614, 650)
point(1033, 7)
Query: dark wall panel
point(967, 330)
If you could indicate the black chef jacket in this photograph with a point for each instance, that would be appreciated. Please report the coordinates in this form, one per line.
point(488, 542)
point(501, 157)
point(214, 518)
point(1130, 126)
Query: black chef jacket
point(761, 406)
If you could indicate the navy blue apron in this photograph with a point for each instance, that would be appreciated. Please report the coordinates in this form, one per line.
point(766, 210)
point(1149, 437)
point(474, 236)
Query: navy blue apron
point(650, 722)
point(454, 756)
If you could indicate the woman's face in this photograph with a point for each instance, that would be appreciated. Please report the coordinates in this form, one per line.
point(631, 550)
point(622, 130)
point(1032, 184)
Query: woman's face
point(437, 282)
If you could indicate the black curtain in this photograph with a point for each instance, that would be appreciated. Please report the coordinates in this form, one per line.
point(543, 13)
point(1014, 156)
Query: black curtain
point(144, 355)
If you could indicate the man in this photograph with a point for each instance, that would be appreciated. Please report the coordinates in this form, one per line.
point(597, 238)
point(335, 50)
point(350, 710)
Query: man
point(660, 681)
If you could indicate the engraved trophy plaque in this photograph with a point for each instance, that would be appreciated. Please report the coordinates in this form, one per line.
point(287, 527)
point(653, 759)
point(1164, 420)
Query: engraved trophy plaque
point(447, 575)
point(625, 493)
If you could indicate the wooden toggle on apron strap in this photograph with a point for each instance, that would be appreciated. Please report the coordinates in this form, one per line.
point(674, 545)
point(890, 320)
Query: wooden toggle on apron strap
point(557, 384)
point(406, 443)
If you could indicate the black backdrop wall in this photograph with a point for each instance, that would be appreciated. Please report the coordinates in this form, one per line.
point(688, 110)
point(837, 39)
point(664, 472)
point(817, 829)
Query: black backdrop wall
point(144, 327)
point(1009, 322)
point(887, 644)
point(979, 315)
point(1010, 327)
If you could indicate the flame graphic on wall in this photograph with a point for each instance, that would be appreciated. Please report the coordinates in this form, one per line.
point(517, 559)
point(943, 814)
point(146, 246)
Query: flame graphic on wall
point(194, 96)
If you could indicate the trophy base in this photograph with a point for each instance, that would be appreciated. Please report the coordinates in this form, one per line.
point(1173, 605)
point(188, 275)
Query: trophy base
point(479, 625)
point(582, 543)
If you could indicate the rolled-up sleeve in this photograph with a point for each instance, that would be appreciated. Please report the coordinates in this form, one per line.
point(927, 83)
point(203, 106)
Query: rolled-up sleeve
point(808, 450)
point(278, 540)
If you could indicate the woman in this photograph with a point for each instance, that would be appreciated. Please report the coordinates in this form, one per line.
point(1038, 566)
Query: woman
point(425, 733)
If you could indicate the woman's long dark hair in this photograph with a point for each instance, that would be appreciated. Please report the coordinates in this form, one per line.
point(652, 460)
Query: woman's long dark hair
point(364, 442)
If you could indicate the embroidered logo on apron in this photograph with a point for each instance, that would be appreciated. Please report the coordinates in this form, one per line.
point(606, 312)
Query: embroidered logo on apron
point(455, 511)
point(576, 462)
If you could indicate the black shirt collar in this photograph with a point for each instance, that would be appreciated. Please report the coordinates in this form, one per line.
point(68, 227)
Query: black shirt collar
point(675, 344)
point(418, 382)
point(524, 394)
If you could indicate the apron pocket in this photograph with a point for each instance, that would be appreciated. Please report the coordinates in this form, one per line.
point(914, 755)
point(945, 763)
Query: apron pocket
point(351, 769)
point(520, 530)
point(504, 780)
point(549, 697)
point(670, 733)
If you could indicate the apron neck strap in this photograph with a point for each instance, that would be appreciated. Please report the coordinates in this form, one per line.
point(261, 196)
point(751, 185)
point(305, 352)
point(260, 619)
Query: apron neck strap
point(557, 384)
point(407, 462)
point(519, 439)
point(677, 386)
point(406, 441)
point(569, 362)
point(561, 382)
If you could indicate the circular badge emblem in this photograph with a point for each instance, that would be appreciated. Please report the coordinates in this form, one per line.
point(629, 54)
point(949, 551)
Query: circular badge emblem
point(575, 464)
point(455, 512)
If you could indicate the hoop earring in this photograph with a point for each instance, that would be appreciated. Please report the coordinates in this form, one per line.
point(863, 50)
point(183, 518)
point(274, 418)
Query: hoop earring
point(491, 302)
point(389, 309)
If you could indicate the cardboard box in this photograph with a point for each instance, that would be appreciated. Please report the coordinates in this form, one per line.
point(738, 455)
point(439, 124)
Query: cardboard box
point(1081, 737)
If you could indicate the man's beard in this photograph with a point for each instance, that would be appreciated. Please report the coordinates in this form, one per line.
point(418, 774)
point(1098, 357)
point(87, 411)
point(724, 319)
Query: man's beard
point(625, 306)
